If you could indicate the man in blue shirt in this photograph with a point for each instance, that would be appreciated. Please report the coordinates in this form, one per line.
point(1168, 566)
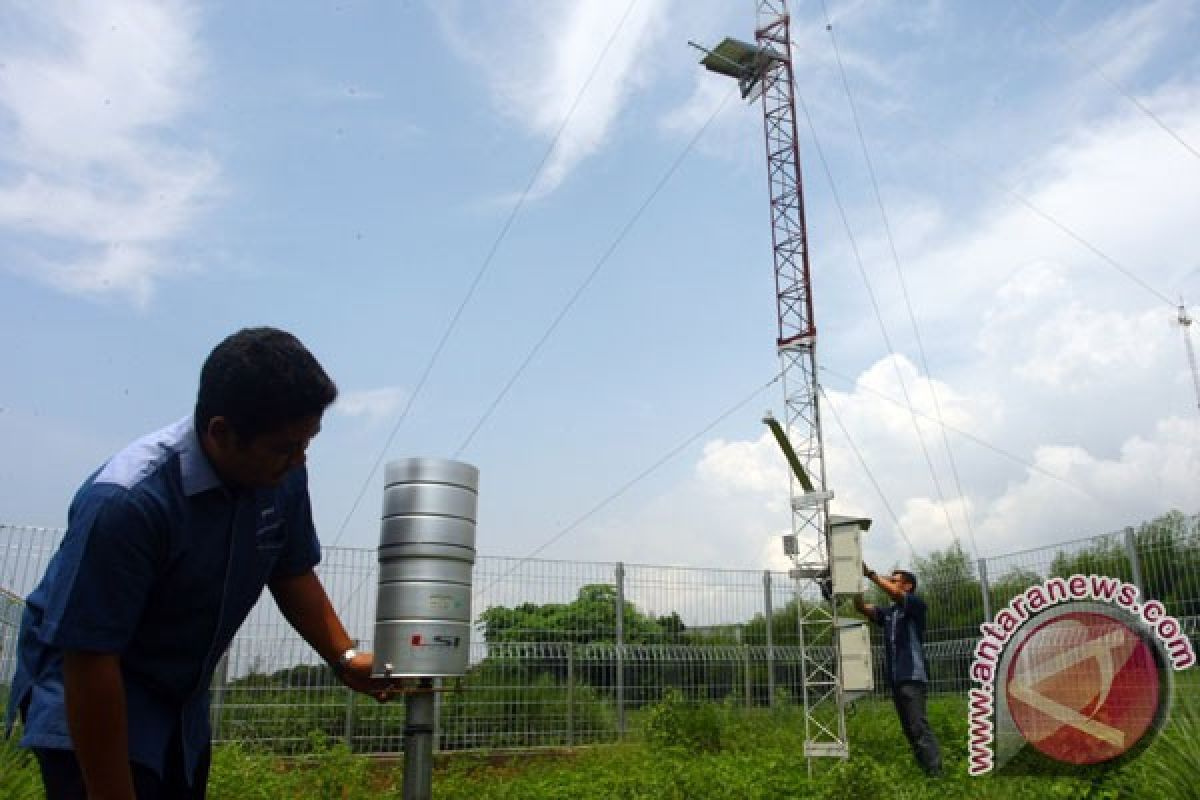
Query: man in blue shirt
point(168, 547)
point(903, 625)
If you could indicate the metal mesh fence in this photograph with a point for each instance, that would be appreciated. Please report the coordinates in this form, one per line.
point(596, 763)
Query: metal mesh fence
point(568, 653)
point(10, 620)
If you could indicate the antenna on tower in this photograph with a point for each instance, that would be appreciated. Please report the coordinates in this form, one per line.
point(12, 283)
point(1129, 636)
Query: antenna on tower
point(1185, 323)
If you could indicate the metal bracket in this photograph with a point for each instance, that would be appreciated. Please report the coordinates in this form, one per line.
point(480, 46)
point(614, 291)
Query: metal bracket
point(810, 500)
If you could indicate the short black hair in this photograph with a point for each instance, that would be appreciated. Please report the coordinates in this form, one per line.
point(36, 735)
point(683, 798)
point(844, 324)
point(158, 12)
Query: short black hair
point(908, 576)
point(261, 379)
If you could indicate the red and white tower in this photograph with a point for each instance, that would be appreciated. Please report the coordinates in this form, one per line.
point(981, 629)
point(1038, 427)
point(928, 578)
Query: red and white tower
point(764, 70)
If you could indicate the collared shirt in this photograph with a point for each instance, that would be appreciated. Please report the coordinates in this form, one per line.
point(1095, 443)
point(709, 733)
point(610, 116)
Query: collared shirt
point(904, 639)
point(161, 563)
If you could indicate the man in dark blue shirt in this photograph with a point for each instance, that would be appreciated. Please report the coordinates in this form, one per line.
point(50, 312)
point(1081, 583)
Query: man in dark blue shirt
point(903, 625)
point(168, 547)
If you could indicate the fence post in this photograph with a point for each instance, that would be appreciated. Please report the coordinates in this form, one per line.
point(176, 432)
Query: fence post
point(620, 649)
point(437, 713)
point(1134, 561)
point(220, 679)
point(570, 694)
point(770, 638)
point(984, 590)
point(350, 719)
point(746, 675)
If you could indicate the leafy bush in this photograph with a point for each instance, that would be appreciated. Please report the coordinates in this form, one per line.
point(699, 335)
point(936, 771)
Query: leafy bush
point(858, 778)
point(677, 723)
point(19, 776)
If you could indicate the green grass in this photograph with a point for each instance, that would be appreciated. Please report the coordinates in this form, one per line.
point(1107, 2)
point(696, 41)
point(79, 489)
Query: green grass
point(682, 751)
point(712, 751)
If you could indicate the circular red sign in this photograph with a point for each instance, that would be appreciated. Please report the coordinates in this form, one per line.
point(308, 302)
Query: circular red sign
point(1083, 687)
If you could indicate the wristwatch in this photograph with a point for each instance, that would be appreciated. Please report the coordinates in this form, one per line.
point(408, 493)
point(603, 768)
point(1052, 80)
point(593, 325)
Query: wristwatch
point(344, 660)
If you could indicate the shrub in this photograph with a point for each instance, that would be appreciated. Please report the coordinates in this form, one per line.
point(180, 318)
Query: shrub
point(677, 723)
point(19, 776)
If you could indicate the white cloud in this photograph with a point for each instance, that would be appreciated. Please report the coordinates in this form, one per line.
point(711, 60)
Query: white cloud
point(1122, 43)
point(1079, 347)
point(1089, 494)
point(374, 405)
point(536, 59)
point(733, 508)
point(1118, 183)
point(95, 184)
point(743, 466)
point(708, 92)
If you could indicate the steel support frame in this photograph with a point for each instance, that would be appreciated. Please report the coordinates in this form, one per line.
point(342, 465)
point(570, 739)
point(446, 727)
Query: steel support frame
point(824, 708)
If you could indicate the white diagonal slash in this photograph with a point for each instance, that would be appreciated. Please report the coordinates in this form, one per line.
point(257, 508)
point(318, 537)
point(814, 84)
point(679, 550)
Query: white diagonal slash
point(1100, 649)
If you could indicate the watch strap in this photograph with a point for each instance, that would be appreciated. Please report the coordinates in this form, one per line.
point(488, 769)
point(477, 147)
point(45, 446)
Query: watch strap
point(344, 660)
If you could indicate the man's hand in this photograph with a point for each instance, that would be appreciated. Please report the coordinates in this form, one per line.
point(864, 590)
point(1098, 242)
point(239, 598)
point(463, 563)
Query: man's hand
point(306, 606)
point(863, 607)
point(357, 676)
point(867, 571)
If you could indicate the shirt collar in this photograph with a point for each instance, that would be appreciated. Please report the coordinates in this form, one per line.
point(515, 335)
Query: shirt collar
point(197, 471)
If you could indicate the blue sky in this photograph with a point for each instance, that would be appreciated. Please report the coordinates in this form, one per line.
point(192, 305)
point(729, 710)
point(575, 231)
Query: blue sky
point(174, 171)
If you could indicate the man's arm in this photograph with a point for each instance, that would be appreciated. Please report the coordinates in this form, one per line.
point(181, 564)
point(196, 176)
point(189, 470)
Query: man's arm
point(305, 605)
point(891, 588)
point(866, 609)
point(95, 700)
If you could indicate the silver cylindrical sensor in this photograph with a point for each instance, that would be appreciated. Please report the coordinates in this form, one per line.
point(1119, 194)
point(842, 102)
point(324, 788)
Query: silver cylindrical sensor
point(426, 551)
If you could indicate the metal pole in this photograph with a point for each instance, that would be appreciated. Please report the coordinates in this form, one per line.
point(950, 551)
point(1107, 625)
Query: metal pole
point(1134, 561)
point(770, 638)
point(418, 743)
point(570, 694)
point(620, 650)
point(983, 589)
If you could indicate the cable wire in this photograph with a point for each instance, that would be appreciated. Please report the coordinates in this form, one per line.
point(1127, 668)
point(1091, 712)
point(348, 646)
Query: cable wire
point(977, 440)
point(1041, 20)
point(947, 147)
point(483, 268)
point(870, 475)
point(582, 287)
point(887, 341)
point(578, 292)
point(674, 451)
point(912, 317)
point(1096, 250)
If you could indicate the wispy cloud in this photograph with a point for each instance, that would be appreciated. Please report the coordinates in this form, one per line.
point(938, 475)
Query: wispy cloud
point(371, 404)
point(96, 185)
point(1122, 43)
point(536, 60)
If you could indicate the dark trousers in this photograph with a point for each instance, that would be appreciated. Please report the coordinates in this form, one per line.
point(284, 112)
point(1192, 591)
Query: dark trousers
point(909, 697)
point(64, 780)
